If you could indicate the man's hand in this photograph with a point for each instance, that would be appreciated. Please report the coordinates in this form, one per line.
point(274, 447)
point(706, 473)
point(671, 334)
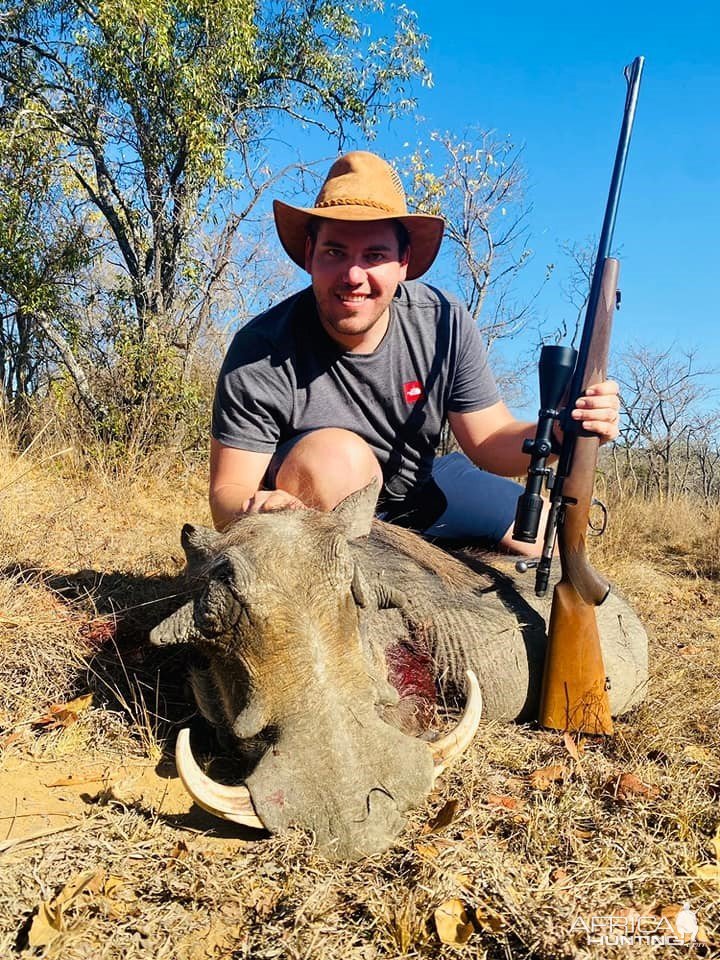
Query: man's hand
point(265, 501)
point(599, 410)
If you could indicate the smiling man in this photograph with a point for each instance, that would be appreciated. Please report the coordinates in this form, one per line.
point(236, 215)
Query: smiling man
point(353, 378)
point(355, 270)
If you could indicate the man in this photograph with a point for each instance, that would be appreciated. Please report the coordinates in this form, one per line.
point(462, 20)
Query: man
point(353, 378)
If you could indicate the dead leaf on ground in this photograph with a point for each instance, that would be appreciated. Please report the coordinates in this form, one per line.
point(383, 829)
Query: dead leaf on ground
point(543, 778)
point(49, 921)
point(9, 740)
point(263, 901)
point(214, 942)
point(443, 818)
point(711, 871)
point(46, 926)
point(179, 852)
point(573, 747)
point(487, 920)
point(698, 754)
point(626, 786)
point(64, 714)
point(508, 803)
point(453, 923)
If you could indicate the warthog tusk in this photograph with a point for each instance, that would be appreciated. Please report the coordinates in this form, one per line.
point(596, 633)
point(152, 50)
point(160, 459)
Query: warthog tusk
point(453, 744)
point(230, 803)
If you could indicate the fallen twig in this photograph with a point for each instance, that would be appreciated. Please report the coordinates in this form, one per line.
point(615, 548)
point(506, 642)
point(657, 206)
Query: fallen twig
point(6, 845)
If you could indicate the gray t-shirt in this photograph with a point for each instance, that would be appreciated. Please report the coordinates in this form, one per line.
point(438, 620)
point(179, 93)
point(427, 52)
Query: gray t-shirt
point(283, 375)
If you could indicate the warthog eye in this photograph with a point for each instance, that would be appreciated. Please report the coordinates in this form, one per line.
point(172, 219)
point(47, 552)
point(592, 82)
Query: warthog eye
point(218, 609)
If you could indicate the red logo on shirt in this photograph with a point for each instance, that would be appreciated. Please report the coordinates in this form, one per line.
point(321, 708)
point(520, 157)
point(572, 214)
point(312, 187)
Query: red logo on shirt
point(413, 391)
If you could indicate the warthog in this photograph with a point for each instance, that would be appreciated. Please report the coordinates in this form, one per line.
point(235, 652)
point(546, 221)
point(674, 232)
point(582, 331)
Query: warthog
point(329, 637)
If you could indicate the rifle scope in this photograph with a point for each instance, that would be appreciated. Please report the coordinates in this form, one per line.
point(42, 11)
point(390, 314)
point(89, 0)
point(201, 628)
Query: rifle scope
point(555, 370)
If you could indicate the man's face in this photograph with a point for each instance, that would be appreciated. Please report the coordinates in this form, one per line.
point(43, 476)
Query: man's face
point(355, 269)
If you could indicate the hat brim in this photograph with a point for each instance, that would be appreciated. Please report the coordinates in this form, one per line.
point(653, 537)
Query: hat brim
point(424, 230)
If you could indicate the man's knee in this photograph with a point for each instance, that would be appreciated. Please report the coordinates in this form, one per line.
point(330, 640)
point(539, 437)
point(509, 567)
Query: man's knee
point(327, 465)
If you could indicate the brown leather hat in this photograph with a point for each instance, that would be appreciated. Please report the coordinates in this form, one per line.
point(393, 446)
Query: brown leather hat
point(361, 186)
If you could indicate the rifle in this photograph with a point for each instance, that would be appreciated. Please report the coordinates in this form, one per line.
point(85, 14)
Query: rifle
point(574, 691)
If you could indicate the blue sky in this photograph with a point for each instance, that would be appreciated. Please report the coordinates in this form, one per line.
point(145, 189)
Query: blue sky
point(550, 77)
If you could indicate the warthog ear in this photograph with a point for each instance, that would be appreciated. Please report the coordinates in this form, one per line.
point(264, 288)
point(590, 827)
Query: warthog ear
point(198, 544)
point(355, 513)
point(179, 627)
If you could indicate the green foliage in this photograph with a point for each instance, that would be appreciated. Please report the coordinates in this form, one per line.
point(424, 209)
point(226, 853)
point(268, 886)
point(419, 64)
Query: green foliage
point(34, 253)
point(155, 100)
point(41, 249)
point(149, 405)
point(147, 394)
point(154, 117)
point(176, 66)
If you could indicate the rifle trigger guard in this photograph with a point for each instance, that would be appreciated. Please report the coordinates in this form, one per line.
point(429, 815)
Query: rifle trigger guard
point(597, 530)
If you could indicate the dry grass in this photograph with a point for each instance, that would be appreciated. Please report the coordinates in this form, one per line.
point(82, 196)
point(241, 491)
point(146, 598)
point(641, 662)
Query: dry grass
point(88, 562)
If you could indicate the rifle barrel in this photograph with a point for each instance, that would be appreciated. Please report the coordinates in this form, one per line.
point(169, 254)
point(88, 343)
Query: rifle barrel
point(633, 74)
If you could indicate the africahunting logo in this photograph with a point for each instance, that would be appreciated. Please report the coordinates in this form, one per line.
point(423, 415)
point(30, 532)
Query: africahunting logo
point(636, 928)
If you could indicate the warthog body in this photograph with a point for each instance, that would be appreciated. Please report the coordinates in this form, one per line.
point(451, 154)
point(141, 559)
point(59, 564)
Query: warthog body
point(327, 644)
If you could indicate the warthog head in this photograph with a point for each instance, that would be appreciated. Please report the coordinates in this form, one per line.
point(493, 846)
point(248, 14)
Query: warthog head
point(293, 676)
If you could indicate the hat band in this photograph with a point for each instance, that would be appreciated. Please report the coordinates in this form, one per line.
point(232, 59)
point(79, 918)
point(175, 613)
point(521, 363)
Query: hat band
point(355, 202)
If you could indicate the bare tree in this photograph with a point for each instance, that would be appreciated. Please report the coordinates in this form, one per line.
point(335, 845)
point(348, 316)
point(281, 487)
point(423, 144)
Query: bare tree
point(663, 393)
point(702, 476)
point(477, 183)
point(576, 289)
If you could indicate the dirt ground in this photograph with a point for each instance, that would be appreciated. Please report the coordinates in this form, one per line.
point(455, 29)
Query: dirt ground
point(524, 845)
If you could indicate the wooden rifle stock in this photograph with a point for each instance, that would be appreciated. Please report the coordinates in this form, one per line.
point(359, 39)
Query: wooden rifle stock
point(574, 692)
